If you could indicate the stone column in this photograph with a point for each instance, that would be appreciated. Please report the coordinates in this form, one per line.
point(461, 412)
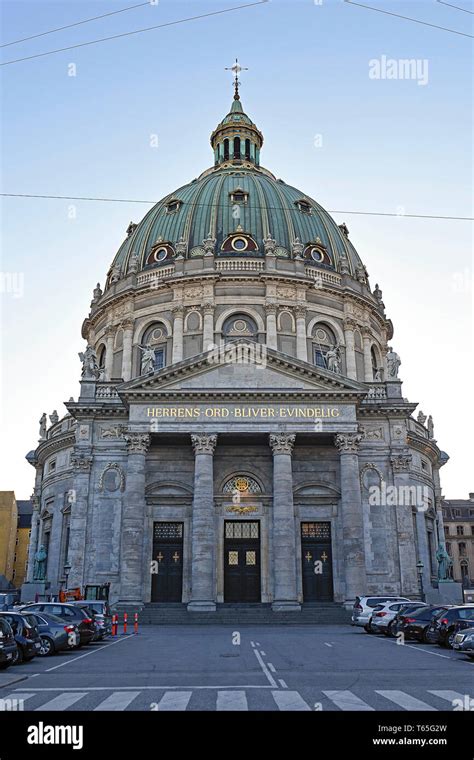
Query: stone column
point(271, 310)
point(208, 328)
point(127, 350)
point(352, 515)
point(81, 463)
point(285, 595)
point(405, 529)
point(423, 547)
point(368, 369)
point(109, 352)
point(33, 545)
point(203, 540)
point(351, 367)
point(301, 342)
point(178, 314)
point(132, 565)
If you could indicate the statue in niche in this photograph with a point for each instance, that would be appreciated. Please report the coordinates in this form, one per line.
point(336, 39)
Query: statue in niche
point(333, 359)
point(39, 568)
point(445, 563)
point(148, 359)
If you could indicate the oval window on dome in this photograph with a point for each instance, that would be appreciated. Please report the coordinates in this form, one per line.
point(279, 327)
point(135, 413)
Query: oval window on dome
point(317, 255)
point(239, 244)
point(160, 254)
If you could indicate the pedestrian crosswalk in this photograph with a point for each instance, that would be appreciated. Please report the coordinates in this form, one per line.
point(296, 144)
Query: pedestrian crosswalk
point(226, 699)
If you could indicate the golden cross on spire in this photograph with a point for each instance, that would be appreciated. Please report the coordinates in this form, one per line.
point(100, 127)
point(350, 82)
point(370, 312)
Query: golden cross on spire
point(236, 68)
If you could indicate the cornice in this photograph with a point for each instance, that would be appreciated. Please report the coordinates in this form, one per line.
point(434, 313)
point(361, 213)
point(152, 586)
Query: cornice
point(50, 446)
point(424, 446)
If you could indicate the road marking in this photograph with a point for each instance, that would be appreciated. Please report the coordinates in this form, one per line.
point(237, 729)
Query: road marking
point(405, 700)
point(263, 653)
point(282, 683)
point(252, 644)
point(231, 700)
point(327, 644)
point(257, 643)
point(447, 694)
point(346, 700)
point(62, 702)
point(119, 700)
point(289, 701)
point(93, 651)
point(418, 649)
point(271, 667)
point(18, 695)
point(149, 688)
point(174, 700)
point(265, 669)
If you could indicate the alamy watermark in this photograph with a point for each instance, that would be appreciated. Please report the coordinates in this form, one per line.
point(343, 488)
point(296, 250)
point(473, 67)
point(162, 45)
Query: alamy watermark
point(399, 496)
point(414, 69)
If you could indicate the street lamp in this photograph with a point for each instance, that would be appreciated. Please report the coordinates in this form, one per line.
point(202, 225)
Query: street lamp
point(67, 570)
point(419, 567)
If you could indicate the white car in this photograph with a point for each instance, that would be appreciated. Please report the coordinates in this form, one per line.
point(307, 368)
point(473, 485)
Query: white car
point(364, 605)
point(384, 614)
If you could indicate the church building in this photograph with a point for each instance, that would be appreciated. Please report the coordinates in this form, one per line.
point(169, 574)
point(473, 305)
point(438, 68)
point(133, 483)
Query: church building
point(240, 434)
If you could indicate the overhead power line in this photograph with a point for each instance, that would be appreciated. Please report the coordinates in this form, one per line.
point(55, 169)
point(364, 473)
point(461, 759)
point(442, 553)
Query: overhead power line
point(136, 31)
point(76, 23)
point(408, 18)
point(209, 205)
point(458, 8)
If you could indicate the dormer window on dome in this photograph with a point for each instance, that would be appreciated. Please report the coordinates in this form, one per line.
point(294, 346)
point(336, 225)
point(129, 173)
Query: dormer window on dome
point(303, 206)
point(239, 242)
point(173, 206)
point(160, 253)
point(238, 196)
point(316, 253)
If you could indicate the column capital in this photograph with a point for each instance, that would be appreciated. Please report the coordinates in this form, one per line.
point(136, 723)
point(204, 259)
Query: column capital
point(127, 324)
point(366, 332)
point(177, 310)
point(203, 444)
point(350, 323)
point(270, 307)
point(137, 443)
point(348, 443)
point(300, 310)
point(281, 443)
point(81, 463)
point(110, 330)
point(400, 462)
point(208, 307)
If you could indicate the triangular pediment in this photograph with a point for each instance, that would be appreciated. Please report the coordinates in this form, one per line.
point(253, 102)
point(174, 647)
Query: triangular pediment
point(243, 371)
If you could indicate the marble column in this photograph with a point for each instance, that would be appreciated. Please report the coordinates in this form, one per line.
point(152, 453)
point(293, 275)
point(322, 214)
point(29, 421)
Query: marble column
point(351, 367)
point(423, 547)
point(208, 328)
point(285, 594)
point(352, 515)
point(33, 544)
point(203, 539)
point(109, 352)
point(132, 565)
point(81, 462)
point(368, 369)
point(127, 350)
point(178, 314)
point(271, 310)
point(405, 529)
point(301, 341)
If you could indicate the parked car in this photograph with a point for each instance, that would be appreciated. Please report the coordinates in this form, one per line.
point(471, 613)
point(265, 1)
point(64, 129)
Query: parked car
point(415, 623)
point(70, 613)
point(55, 634)
point(8, 600)
point(443, 628)
point(102, 615)
point(8, 645)
point(26, 636)
point(364, 605)
point(384, 615)
point(464, 641)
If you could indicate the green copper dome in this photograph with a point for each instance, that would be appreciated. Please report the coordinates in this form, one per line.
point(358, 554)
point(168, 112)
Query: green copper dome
point(235, 195)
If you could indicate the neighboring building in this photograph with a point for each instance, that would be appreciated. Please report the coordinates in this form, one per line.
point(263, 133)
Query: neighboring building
point(25, 511)
point(458, 518)
point(240, 410)
point(8, 528)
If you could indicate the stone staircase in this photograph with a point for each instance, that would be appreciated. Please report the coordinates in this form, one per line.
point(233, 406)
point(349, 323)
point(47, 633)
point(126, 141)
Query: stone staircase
point(244, 614)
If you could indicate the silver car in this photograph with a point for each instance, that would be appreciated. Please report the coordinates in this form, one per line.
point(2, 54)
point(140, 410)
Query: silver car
point(464, 642)
point(364, 605)
point(384, 614)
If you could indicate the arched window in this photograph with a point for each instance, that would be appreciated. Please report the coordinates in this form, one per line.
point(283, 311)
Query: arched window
point(154, 338)
point(239, 326)
point(323, 340)
point(236, 147)
point(226, 149)
point(247, 149)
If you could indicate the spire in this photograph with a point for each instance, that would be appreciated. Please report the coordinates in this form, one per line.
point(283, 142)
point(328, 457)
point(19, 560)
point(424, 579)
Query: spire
point(236, 68)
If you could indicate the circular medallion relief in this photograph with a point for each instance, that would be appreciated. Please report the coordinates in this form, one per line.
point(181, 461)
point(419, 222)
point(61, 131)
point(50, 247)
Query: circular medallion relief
point(242, 484)
point(239, 244)
point(321, 335)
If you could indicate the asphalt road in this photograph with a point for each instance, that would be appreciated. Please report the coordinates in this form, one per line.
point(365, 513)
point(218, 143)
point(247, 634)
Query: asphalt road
point(255, 668)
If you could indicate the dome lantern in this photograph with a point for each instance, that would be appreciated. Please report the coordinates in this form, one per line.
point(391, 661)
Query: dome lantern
point(236, 139)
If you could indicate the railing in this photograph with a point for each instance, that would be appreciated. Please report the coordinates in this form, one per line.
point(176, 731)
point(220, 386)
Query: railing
point(105, 390)
point(150, 278)
point(376, 393)
point(240, 265)
point(322, 276)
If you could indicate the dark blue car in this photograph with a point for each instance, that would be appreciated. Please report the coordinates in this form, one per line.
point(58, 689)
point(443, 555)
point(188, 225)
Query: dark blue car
point(55, 634)
point(26, 636)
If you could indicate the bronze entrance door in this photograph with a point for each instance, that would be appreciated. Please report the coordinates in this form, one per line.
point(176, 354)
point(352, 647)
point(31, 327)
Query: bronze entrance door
point(167, 569)
point(317, 562)
point(241, 561)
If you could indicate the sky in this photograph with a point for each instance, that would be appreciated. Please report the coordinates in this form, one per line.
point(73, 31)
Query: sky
point(343, 120)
